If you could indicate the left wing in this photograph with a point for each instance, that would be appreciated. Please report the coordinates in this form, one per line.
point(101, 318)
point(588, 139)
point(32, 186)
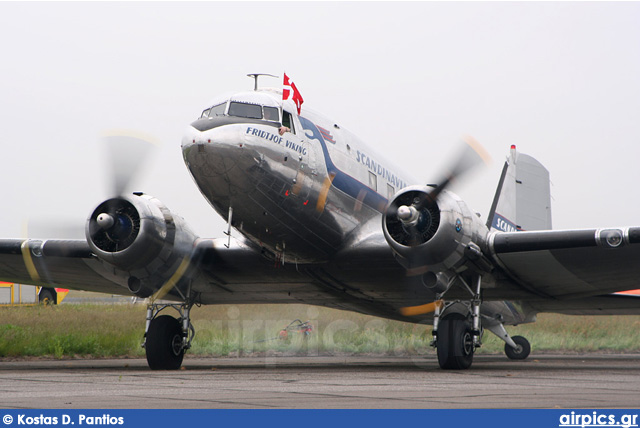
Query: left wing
point(570, 264)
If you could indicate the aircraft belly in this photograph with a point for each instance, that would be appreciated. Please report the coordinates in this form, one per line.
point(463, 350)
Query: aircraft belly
point(360, 291)
point(610, 304)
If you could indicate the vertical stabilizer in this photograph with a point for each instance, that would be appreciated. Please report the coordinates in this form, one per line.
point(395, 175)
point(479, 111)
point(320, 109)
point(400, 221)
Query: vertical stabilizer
point(523, 197)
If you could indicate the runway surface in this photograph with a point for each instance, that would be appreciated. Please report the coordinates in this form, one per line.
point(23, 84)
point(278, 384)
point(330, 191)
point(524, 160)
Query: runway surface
point(542, 381)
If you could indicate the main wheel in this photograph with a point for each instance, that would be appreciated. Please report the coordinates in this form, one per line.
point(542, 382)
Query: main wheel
point(455, 342)
point(519, 353)
point(164, 343)
point(46, 297)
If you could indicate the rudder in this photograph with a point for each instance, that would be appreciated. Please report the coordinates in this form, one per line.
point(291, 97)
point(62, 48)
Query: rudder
point(523, 197)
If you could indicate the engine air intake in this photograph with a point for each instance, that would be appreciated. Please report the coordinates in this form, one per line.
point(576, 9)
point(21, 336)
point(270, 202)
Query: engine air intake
point(114, 225)
point(412, 218)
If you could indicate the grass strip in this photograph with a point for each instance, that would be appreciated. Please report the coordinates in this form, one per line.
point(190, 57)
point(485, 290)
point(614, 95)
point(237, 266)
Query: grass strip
point(94, 330)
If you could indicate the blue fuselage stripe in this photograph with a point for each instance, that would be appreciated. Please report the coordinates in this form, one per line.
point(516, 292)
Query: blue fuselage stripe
point(343, 181)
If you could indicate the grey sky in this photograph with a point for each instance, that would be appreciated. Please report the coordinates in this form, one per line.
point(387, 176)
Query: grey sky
point(560, 80)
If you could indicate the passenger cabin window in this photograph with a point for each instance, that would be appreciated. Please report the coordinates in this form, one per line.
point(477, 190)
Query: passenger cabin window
point(373, 181)
point(287, 120)
point(390, 191)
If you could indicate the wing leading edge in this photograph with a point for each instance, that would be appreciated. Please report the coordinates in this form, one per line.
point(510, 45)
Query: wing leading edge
point(64, 263)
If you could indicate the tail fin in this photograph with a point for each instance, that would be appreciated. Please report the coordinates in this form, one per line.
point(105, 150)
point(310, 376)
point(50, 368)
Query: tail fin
point(523, 197)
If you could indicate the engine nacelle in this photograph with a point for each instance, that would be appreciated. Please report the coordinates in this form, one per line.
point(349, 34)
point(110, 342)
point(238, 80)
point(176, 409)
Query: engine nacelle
point(431, 235)
point(139, 240)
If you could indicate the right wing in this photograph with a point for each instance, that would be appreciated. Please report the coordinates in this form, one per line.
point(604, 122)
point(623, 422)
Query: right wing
point(366, 281)
point(53, 263)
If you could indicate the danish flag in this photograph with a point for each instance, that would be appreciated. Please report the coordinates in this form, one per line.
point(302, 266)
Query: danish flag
point(290, 92)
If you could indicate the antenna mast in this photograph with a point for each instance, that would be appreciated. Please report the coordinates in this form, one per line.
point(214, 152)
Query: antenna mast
point(255, 77)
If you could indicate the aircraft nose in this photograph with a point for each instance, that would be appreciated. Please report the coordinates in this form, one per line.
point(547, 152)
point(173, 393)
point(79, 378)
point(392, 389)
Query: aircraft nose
point(211, 152)
point(189, 137)
point(207, 134)
point(194, 136)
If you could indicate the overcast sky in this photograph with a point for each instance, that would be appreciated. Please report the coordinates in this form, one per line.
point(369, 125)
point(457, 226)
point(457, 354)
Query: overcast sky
point(559, 80)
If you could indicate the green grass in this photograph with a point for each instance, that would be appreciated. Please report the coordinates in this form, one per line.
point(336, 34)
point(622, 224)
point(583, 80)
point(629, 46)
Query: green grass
point(70, 330)
point(85, 330)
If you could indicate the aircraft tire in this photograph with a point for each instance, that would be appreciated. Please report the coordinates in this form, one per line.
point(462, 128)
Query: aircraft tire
point(524, 348)
point(455, 342)
point(164, 344)
point(46, 297)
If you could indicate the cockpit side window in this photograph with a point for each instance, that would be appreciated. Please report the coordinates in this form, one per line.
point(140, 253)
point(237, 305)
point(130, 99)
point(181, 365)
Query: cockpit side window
point(287, 120)
point(250, 111)
point(218, 110)
point(272, 114)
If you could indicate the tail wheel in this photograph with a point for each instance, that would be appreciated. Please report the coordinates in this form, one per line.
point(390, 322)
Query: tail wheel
point(519, 353)
point(455, 342)
point(164, 345)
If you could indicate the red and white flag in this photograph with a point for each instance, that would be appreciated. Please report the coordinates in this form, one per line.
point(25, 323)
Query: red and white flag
point(290, 92)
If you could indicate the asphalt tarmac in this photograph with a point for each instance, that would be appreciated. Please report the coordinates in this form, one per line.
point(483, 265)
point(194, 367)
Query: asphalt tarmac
point(542, 381)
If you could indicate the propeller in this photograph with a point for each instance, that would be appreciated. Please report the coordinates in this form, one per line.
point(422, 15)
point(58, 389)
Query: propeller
point(470, 155)
point(117, 226)
point(413, 217)
point(127, 153)
point(173, 281)
point(118, 223)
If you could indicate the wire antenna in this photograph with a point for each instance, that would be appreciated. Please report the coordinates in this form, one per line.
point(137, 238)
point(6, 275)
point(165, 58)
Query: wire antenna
point(255, 77)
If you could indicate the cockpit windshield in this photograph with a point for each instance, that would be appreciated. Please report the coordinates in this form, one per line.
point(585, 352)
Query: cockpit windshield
point(251, 111)
point(250, 105)
point(254, 111)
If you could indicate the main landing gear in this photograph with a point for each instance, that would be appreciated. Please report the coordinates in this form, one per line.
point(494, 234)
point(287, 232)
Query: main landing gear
point(457, 330)
point(167, 338)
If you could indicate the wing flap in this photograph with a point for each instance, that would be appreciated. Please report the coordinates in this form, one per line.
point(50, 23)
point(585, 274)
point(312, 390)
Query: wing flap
point(571, 263)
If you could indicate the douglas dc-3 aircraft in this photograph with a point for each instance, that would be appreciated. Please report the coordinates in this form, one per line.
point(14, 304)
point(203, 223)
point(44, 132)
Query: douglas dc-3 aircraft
point(319, 218)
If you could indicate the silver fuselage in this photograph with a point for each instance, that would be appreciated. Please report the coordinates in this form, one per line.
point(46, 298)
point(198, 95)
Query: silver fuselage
point(308, 198)
point(298, 195)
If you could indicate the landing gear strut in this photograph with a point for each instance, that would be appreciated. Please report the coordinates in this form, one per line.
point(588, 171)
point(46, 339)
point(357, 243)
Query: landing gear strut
point(457, 335)
point(167, 338)
point(516, 347)
point(458, 332)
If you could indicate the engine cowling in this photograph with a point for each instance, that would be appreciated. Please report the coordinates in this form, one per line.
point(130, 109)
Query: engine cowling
point(435, 235)
point(140, 242)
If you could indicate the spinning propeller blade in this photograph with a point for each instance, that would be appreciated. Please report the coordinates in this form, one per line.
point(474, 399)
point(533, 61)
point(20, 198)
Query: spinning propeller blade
point(127, 152)
point(418, 216)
